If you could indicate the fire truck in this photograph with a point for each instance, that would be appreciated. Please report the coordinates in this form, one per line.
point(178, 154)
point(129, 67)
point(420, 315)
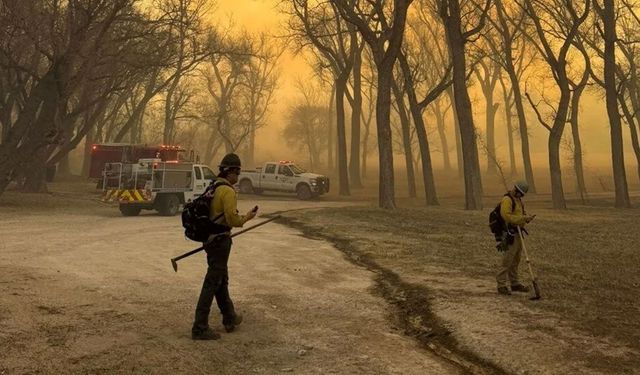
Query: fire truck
point(104, 153)
point(154, 184)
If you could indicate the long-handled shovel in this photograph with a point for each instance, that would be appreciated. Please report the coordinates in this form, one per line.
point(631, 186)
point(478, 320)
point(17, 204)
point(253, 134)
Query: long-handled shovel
point(174, 261)
point(534, 280)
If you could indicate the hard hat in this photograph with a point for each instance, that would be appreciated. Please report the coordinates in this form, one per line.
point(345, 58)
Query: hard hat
point(522, 186)
point(230, 161)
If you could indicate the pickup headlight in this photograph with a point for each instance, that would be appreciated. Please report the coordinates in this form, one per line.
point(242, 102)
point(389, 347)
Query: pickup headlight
point(313, 182)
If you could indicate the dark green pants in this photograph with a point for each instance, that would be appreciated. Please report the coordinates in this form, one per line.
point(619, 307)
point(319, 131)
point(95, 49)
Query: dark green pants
point(216, 284)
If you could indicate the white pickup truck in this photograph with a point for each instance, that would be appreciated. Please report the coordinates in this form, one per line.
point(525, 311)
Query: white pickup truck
point(283, 176)
point(152, 184)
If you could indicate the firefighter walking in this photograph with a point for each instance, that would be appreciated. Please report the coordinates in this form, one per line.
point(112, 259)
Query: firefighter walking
point(513, 214)
point(218, 248)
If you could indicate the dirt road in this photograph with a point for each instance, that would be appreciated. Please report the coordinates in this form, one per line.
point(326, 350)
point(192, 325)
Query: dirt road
point(94, 292)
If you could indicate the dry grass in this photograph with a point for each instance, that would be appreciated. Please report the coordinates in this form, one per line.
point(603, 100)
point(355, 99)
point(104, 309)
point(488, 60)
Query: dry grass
point(587, 258)
point(65, 197)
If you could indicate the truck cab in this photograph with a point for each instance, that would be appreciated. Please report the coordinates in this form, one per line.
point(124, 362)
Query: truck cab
point(283, 176)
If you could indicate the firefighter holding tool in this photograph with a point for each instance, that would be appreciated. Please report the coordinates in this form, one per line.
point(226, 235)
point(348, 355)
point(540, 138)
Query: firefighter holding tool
point(218, 247)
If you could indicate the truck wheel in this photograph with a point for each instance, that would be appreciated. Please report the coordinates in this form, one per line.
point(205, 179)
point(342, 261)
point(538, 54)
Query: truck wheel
point(130, 210)
point(304, 192)
point(246, 187)
point(168, 205)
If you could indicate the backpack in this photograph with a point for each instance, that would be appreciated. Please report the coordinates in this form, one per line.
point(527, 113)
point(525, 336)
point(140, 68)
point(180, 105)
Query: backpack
point(195, 216)
point(496, 223)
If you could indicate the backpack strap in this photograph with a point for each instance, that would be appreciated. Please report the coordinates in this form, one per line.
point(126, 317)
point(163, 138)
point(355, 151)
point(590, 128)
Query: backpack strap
point(513, 202)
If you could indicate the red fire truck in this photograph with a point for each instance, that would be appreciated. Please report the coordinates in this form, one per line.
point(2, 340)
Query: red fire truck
point(104, 153)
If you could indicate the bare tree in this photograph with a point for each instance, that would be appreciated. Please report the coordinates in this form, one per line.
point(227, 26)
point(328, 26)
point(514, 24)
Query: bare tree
point(185, 27)
point(406, 137)
point(513, 55)
point(67, 80)
point(488, 74)
point(439, 110)
point(384, 38)
point(457, 38)
point(607, 13)
point(508, 94)
point(336, 43)
point(368, 114)
point(562, 22)
point(260, 85)
point(578, 88)
point(224, 75)
point(306, 128)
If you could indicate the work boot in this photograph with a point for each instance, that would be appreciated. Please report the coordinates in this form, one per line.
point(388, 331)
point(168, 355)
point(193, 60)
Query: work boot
point(519, 288)
point(504, 290)
point(209, 334)
point(230, 327)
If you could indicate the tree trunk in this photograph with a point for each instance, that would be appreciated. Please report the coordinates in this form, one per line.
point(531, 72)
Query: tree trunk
point(488, 81)
point(406, 140)
point(617, 154)
point(631, 121)
point(251, 151)
point(456, 132)
point(431, 196)
point(442, 133)
point(133, 120)
point(86, 159)
point(35, 174)
point(581, 187)
point(522, 126)
point(330, 140)
point(456, 41)
point(365, 152)
point(490, 120)
point(555, 138)
point(169, 120)
point(386, 196)
point(343, 174)
point(35, 129)
point(636, 145)
point(508, 105)
point(356, 112)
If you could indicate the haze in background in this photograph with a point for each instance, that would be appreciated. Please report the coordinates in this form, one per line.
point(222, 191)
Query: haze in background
point(263, 15)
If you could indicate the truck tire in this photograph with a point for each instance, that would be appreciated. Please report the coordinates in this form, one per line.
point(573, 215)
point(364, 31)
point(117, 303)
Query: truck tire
point(130, 210)
point(303, 192)
point(246, 187)
point(168, 204)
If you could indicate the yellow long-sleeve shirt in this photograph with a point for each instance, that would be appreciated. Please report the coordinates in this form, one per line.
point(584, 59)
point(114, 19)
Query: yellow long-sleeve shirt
point(515, 216)
point(225, 200)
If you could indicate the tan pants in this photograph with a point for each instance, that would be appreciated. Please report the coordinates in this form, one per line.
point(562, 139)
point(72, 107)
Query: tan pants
point(510, 261)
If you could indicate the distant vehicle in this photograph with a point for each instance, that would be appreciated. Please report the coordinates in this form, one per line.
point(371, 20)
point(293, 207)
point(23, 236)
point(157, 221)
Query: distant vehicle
point(283, 176)
point(103, 153)
point(153, 184)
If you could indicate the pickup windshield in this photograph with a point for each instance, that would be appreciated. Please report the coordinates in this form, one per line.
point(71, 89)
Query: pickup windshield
point(296, 169)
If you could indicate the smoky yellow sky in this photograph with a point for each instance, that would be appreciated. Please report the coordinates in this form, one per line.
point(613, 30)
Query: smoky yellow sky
point(263, 15)
point(258, 16)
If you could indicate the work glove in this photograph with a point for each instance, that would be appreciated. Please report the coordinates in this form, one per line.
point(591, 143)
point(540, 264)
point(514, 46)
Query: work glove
point(503, 244)
point(250, 215)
